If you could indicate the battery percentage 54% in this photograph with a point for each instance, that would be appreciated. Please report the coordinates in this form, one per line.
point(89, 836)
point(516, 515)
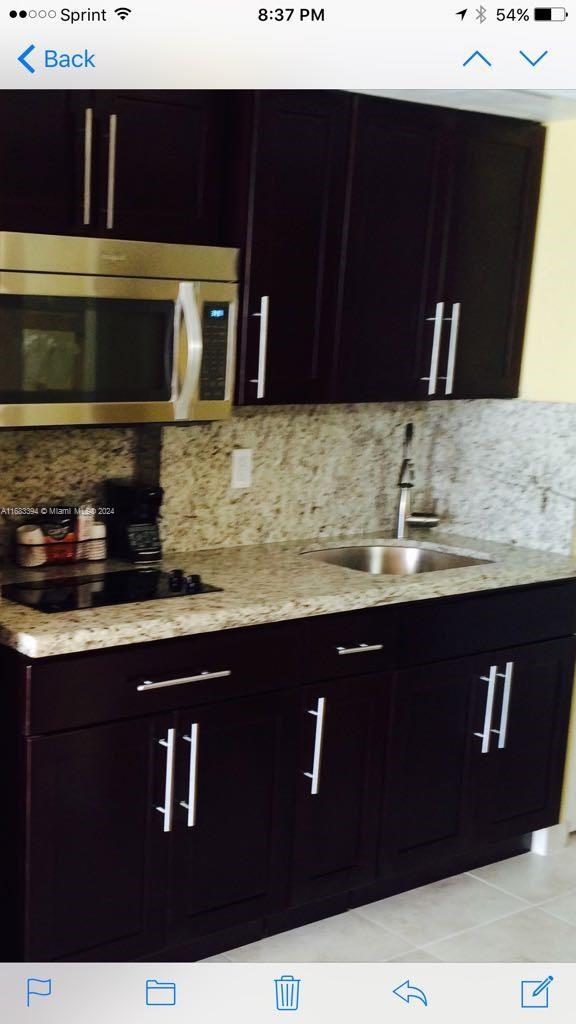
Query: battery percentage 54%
point(514, 14)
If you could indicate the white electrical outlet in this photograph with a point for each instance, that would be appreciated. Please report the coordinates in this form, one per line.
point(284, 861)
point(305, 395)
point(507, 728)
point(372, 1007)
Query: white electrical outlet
point(241, 467)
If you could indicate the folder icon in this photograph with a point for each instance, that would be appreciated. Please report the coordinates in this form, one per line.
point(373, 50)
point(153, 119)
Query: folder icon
point(160, 993)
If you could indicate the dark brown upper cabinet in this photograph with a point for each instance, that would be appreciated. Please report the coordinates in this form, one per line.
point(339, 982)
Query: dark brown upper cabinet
point(436, 268)
point(494, 183)
point(160, 165)
point(143, 165)
point(41, 162)
point(293, 235)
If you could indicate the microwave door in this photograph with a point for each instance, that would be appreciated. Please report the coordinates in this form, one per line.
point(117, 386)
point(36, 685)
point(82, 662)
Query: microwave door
point(78, 349)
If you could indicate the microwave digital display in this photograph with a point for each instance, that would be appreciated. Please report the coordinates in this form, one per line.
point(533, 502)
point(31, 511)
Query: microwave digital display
point(215, 316)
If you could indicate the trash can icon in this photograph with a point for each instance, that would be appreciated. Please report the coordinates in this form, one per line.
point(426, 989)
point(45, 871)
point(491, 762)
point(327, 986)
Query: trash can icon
point(287, 992)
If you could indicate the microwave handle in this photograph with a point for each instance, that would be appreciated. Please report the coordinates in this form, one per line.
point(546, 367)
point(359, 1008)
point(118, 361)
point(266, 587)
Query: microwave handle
point(186, 311)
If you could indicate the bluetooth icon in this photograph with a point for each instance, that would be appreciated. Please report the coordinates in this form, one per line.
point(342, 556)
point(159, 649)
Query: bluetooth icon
point(481, 14)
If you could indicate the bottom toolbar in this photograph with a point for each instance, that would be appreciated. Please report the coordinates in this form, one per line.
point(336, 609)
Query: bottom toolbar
point(220, 992)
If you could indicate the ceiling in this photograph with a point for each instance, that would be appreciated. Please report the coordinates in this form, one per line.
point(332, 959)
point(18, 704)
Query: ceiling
point(547, 105)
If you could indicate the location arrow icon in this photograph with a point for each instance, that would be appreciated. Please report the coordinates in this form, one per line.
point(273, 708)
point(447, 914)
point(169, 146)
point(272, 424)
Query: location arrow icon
point(462, 14)
point(406, 992)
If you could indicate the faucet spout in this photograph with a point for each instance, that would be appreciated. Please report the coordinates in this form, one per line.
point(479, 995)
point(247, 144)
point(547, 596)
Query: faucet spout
point(405, 483)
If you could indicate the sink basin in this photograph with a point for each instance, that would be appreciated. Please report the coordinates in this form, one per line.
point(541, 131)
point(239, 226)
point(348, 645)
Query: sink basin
point(394, 559)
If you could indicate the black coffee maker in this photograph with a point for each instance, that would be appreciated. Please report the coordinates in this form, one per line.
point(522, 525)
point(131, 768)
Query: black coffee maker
point(133, 520)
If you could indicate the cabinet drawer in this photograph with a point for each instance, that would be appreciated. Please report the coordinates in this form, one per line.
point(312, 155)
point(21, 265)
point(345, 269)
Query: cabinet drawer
point(421, 632)
point(68, 692)
point(357, 642)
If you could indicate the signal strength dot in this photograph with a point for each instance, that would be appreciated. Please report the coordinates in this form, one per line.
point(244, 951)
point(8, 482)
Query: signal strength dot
point(123, 12)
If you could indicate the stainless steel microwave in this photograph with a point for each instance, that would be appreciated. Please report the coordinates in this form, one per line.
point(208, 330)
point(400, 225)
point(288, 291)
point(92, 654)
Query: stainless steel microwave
point(94, 331)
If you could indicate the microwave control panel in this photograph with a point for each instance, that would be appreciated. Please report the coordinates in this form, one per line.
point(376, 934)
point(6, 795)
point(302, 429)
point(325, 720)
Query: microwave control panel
point(215, 317)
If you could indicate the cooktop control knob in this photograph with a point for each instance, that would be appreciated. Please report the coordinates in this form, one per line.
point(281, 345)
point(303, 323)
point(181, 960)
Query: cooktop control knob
point(193, 584)
point(176, 579)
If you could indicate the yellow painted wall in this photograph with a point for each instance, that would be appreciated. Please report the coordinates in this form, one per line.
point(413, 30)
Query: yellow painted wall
point(549, 360)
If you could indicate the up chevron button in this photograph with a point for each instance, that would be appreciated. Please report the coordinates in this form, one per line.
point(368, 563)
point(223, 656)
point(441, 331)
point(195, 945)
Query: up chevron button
point(477, 54)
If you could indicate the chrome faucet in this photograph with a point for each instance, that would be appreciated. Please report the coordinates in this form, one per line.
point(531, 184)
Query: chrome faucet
point(423, 520)
point(405, 483)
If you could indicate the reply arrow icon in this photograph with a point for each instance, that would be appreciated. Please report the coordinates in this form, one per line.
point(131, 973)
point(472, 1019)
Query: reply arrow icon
point(406, 992)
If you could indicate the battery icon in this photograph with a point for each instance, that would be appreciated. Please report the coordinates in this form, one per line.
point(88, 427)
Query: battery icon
point(550, 14)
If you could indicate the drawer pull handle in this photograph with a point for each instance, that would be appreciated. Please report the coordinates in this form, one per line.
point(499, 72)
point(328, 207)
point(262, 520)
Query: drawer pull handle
point(314, 775)
point(361, 649)
point(487, 730)
point(190, 805)
point(504, 714)
point(167, 810)
point(202, 677)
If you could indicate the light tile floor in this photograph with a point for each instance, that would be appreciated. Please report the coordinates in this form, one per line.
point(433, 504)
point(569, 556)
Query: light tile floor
point(521, 910)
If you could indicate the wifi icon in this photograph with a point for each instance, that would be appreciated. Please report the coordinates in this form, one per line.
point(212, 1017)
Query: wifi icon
point(123, 12)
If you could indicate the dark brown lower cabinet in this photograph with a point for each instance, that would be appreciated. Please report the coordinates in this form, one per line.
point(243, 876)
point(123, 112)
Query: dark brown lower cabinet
point(427, 770)
point(521, 711)
point(343, 737)
point(96, 864)
point(476, 752)
point(230, 833)
point(209, 806)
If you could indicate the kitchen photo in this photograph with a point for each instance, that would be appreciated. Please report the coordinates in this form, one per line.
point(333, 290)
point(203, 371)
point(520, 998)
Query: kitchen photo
point(288, 526)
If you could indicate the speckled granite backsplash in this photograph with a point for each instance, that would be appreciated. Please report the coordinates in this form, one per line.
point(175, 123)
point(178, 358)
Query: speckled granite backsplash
point(504, 470)
point(68, 462)
point(493, 469)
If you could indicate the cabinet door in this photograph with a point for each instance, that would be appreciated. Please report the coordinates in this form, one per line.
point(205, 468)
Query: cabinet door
point(42, 142)
point(522, 705)
point(342, 743)
point(297, 191)
point(393, 254)
point(96, 849)
point(231, 807)
point(496, 179)
point(427, 774)
point(161, 165)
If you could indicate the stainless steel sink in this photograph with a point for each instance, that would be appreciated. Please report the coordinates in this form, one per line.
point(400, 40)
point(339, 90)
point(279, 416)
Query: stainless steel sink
point(394, 559)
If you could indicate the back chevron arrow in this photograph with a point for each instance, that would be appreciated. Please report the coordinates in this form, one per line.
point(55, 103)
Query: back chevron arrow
point(406, 991)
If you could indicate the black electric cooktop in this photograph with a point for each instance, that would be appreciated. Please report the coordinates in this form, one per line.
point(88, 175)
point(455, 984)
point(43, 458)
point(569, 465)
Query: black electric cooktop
point(73, 593)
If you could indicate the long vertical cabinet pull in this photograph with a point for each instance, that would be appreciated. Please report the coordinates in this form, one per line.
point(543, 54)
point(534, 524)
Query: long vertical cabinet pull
point(437, 320)
point(486, 731)
point(502, 732)
point(260, 380)
point(88, 136)
point(452, 347)
point(110, 198)
point(168, 809)
point(314, 775)
point(190, 804)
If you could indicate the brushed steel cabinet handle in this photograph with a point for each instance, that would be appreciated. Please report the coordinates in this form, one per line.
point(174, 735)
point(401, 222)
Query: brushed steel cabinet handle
point(260, 380)
point(485, 735)
point(110, 197)
point(314, 775)
point(361, 649)
point(452, 347)
point(88, 136)
point(202, 677)
point(437, 320)
point(190, 804)
point(505, 712)
point(168, 809)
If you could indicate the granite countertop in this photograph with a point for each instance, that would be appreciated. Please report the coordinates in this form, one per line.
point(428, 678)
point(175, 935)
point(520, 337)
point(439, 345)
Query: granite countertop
point(264, 583)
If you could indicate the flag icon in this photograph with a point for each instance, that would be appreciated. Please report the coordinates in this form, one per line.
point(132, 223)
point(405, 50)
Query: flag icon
point(38, 987)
